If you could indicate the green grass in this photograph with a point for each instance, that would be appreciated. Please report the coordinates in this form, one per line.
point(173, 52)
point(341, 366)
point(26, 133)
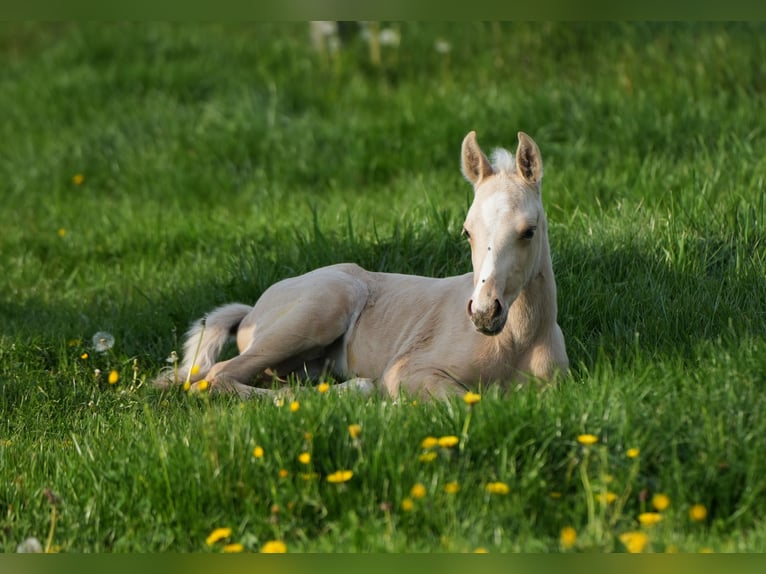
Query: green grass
point(218, 159)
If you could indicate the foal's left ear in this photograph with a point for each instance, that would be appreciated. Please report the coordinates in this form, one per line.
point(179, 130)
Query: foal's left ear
point(529, 162)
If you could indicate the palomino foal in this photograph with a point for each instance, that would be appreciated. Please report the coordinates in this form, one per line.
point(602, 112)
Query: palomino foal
point(423, 335)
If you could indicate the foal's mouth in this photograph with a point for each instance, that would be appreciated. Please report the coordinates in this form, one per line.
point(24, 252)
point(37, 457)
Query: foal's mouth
point(488, 321)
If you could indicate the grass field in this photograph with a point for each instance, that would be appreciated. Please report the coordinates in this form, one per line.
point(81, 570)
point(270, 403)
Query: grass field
point(151, 172)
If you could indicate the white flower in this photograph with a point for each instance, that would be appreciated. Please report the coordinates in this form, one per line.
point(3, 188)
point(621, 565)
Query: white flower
point(442, 46)
point(389, 37)
point(103, 341)
point(30, 546)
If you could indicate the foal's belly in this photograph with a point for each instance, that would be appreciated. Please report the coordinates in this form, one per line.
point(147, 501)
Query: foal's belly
point(408, 319)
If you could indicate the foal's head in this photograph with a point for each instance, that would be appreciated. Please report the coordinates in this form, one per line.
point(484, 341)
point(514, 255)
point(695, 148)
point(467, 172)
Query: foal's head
point(505, 226)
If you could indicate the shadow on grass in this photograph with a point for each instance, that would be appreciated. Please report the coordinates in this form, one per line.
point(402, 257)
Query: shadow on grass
point(616, 300)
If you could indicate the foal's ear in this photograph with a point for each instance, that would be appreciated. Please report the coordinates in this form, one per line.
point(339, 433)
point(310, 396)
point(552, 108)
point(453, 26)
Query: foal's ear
point(529, 162)
point(474, 164)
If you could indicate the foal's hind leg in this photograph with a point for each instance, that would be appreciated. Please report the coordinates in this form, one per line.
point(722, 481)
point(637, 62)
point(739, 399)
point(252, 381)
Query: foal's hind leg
point(294, 322)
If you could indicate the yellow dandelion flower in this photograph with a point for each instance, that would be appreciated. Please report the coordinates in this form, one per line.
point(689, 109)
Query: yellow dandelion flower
point(84, 356)
point(307, 476)
point(307, 436)
point(632, 452)
point(203, 385)
point(452, 488)
point(407, 505)
point(216, 535)
point(568, 537)
point(555, 495)
point(649, 518)
point(294, 406)
point(471, 398)
point(418, 490)
point(283, 473)
point(61, 232)
point(480, 550)
point(78, 179)
point(698, 512)
point(232, 548)
point(304, 457)
point(448, 441)
point(194, 370)
point(323, 387)
point(660, 501)
point(186, 385)
point(606, 497)
point(258, 452)
point(497, 488)
point(114, 376)
point(429, 442)
point(340, 476)
point(706, 550)
point(354, 430)
point(587, 439)
point(274, 547)
point(427, 456)
point(634, 541)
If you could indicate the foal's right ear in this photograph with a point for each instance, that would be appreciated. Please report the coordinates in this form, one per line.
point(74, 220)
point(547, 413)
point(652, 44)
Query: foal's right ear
point(474, 164)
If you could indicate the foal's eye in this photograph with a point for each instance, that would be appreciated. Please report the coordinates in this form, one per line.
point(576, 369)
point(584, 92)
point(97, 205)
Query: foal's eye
point(528, 233)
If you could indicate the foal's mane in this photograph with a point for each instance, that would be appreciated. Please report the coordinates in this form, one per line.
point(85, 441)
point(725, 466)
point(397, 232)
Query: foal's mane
point(503, 160)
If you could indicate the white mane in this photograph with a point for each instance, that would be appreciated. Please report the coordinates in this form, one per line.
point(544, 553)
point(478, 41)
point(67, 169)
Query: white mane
point(503, 160)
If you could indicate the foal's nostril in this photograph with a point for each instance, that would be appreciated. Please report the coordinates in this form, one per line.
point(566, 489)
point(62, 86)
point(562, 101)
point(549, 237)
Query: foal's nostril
point(498, 309)
point(470, 309)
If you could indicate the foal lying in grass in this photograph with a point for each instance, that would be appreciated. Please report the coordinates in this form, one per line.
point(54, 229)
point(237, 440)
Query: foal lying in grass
point(391, 332)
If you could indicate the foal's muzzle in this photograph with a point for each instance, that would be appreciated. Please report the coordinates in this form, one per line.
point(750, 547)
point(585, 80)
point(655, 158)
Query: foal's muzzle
point(490, 320)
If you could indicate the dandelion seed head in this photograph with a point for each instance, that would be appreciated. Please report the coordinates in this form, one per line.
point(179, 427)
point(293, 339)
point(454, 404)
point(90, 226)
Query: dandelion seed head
point(103, 341)
point(442, 46)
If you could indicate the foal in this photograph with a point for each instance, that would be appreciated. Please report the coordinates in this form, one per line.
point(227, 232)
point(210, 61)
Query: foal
point(391, 332)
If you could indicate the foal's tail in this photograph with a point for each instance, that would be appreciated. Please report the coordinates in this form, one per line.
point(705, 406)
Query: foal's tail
point(204, 341)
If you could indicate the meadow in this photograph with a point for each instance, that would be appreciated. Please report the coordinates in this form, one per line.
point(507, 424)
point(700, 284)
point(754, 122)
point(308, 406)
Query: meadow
point(150, 172)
